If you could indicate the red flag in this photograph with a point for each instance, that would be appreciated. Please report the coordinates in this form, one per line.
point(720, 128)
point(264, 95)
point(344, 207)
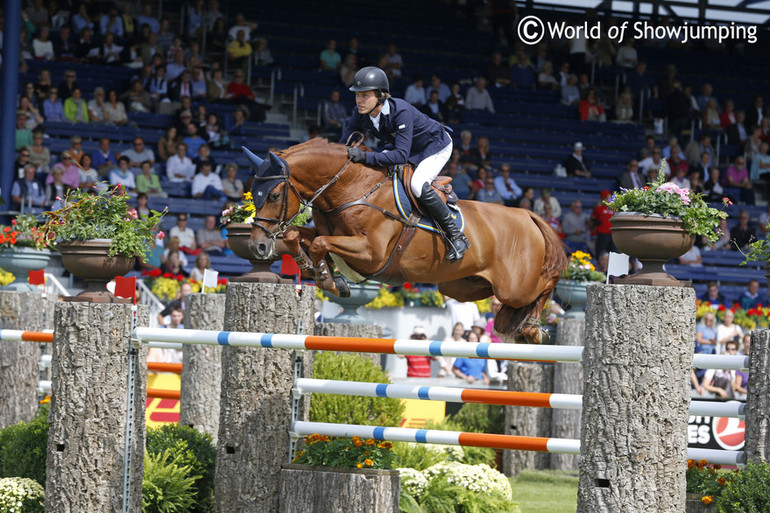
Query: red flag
point(37, 277)
point(125, 287)
point(288, 266)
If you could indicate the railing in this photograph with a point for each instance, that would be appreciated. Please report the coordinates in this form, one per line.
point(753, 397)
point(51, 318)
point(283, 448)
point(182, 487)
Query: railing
point(54, 286)
point(146, 297)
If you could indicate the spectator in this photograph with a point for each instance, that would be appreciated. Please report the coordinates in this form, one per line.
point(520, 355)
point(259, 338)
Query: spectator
point(241, 24)
point(750, 297)
point(177, 304)
point(240, 93)
point(210, 238)
point(752, 143)
point(192, 139)
point(552, 221)
point(761, 163)
point(146, 18)
point(96, 106)
point(471, 369)
point(239, 52)
point(631, 179)
point(111, 53)
point(546, 80)
point(121, 175)
point(710, 116)
point(441, 88)
point(68, 85)
point(480, 153)
point(348, 69)
point(546, 199)
point(488, 194)
point(673, 148)
point(216, 90)
point(137, 154)
point(575, 223)
point(764, 221)
point(728, 116)
point(680, 178)
point(624, 107)
point(654, 162)
point(705, 96)
point(728, 331)
point(207, 185)
point(103, 158)
point(330, 59)
point(590, 109)
point(231, 185)
point(334, 114)
point(724, 241)
point(415, 93)
point(176, 65)
point(478, 97)
point(641, 84)
point(199, 85)
point(262, 54)
point(76, 148)
point(713, 297)
point(137, 98)
point(165, 35)
point(56, 189)
point(202, 263)
point(418, 366)
point(713, 186)
point(185, 236)
point(498, 73)
point(394, 63)
point(42, 47)
point(738, 180)
point(148, 182)
point(445, 362)
point(238, 125)
point(27, 190)
point(159, 89)
point(627, 57)
point(70, 172)
point(570, 94)
point(150, 48)
point(743, 233)
point(677, 109)
point(21, 162)
point(675, 163)
point(755, 113)
point(601, 226)
point(692, 258)
point(523, 75)
point(130, 31)
point(719, 381)
point(460, 179)
point(23, 134)
point(204, 155)
point(114, 110)
point(576, 164)
point(180, 167)
point(216, 39)
point(30, 111)
point(693, 152)
point(87, 175)
point(506, 186)
point(39, 155)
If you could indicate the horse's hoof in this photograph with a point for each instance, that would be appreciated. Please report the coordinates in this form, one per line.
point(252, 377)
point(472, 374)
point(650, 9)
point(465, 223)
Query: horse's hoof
point(342, 286)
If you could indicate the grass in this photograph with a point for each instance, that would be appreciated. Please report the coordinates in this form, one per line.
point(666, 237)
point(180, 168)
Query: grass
point(546, 491)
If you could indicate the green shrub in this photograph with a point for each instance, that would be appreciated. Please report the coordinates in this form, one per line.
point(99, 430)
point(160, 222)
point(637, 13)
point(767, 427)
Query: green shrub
point(444, 496)
point(481, 418)
point(418, 456)
point(167, 487)
point(189, 448)
point(340, 409)
point(23, 448)
point(748, 492)
point(21, 495)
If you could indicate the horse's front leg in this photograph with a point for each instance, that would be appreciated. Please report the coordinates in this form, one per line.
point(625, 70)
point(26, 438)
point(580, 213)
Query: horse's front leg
point(298, 240)
point(356, 247)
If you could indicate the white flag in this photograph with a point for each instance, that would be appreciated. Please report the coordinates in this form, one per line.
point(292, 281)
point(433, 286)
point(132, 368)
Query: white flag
point(210, 278)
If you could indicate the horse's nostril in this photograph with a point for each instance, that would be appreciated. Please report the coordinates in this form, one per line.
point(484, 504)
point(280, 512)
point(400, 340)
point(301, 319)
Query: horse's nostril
point(261, 248)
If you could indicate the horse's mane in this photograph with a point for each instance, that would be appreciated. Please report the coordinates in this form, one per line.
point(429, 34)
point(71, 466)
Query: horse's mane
point(318, 143)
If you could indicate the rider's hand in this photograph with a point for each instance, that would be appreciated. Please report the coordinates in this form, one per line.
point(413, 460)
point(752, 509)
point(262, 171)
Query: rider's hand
point(357, 155)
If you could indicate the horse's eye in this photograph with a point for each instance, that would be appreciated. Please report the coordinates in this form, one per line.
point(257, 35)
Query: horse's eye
point(274, 196)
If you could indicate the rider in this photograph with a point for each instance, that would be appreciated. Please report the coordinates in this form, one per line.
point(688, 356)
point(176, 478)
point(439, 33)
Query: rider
point(409, 136)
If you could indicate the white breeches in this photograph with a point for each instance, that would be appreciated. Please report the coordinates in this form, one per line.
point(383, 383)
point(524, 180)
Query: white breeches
point(429, 169)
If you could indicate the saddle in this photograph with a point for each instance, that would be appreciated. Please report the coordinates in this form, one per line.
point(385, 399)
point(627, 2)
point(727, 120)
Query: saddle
point(441, 184)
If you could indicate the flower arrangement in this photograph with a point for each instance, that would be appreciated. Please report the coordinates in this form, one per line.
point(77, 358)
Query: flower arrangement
point(103, 214)
point(406, 294)
point(19, 494)
point(413, 481)
point(757, 317)
point(320, 450)
point(580, 268)
point(6, 278)
point(668, 200)
point(706, 480)
point(165, 286)
point(24, 232)
point(245, 212)
point(477, 478)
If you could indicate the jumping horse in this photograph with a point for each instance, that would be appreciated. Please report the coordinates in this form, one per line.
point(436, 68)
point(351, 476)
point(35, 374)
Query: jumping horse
point(514, 254)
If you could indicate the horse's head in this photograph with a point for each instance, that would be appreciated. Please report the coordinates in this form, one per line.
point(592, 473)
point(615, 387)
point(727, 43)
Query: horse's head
point(276, 201)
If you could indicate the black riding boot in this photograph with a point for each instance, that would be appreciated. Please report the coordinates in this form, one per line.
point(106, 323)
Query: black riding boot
point(456, 242)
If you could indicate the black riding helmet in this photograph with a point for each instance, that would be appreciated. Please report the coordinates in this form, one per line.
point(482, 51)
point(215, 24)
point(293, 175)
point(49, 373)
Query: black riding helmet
point(369, 79)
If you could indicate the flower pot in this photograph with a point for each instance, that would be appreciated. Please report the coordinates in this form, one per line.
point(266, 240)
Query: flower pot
point(317, 489)
point(89, 261)
point(654, 240)
point(360, 294)
point(573, 293)
point(19, 261)
point(239, 237)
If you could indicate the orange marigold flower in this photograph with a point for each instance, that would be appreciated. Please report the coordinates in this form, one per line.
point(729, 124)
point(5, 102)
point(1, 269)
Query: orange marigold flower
point(357, 443)
point(359, 465)
point(368, 462)
point(370, 442)
point(721, 480)
point(708, 499)
point(702, 463)
point(717, 467)
point(690, 463)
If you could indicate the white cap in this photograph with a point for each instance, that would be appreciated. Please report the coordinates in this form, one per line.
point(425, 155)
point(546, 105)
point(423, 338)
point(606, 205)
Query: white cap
point(418, 330)
point(578, 146)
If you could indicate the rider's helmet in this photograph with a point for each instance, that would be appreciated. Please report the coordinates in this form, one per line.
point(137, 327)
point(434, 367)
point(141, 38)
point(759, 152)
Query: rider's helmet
point(370, 78)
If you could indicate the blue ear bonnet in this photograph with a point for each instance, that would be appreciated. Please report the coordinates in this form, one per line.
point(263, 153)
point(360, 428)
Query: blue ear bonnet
point(270, 173)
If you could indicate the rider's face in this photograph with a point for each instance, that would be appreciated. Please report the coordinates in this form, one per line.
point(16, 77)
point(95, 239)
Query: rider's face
point(366, 101)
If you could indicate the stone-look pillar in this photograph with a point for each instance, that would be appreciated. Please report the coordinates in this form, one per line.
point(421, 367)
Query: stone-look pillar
point(202, 366)
point(637, 362)
point(758, 400)
point(567, 379)
point(255, 408)
point(18, 360)
point(525, 420)
point(341, 329)
point(87, 437)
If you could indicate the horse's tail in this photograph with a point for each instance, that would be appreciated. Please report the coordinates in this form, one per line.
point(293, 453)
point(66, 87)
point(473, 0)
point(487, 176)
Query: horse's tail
point(509, 320)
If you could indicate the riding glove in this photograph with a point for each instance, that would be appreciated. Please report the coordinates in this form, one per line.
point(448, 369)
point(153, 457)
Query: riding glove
point(357, 155)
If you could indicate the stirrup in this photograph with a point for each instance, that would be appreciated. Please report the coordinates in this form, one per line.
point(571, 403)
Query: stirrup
point(455, 253)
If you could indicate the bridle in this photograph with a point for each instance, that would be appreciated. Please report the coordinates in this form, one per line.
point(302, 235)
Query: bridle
point(283, 223)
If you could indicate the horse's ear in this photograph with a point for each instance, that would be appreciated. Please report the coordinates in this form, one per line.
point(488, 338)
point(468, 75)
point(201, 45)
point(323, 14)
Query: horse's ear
point(254, 160)
point(275, 163)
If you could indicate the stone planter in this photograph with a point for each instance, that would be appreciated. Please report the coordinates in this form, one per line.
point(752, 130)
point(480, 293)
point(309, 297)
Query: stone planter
point(89, 261)
point(324, 489)
point(573, 293)
point(360, 294)
point(19, 261)
point(654, 240)
point(695, 505)
point(239, 236)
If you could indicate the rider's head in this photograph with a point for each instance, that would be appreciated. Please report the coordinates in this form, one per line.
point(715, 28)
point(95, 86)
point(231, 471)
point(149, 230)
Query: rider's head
point(371, 87)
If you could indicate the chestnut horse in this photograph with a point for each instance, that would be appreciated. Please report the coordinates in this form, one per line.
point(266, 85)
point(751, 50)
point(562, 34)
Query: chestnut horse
point(514, 254)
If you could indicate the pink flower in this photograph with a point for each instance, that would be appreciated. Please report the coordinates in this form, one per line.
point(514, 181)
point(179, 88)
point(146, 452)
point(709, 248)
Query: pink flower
point(161, 235)
point(726, 202)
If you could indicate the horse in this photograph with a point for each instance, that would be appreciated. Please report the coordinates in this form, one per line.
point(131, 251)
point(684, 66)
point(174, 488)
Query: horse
point(514, 255)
